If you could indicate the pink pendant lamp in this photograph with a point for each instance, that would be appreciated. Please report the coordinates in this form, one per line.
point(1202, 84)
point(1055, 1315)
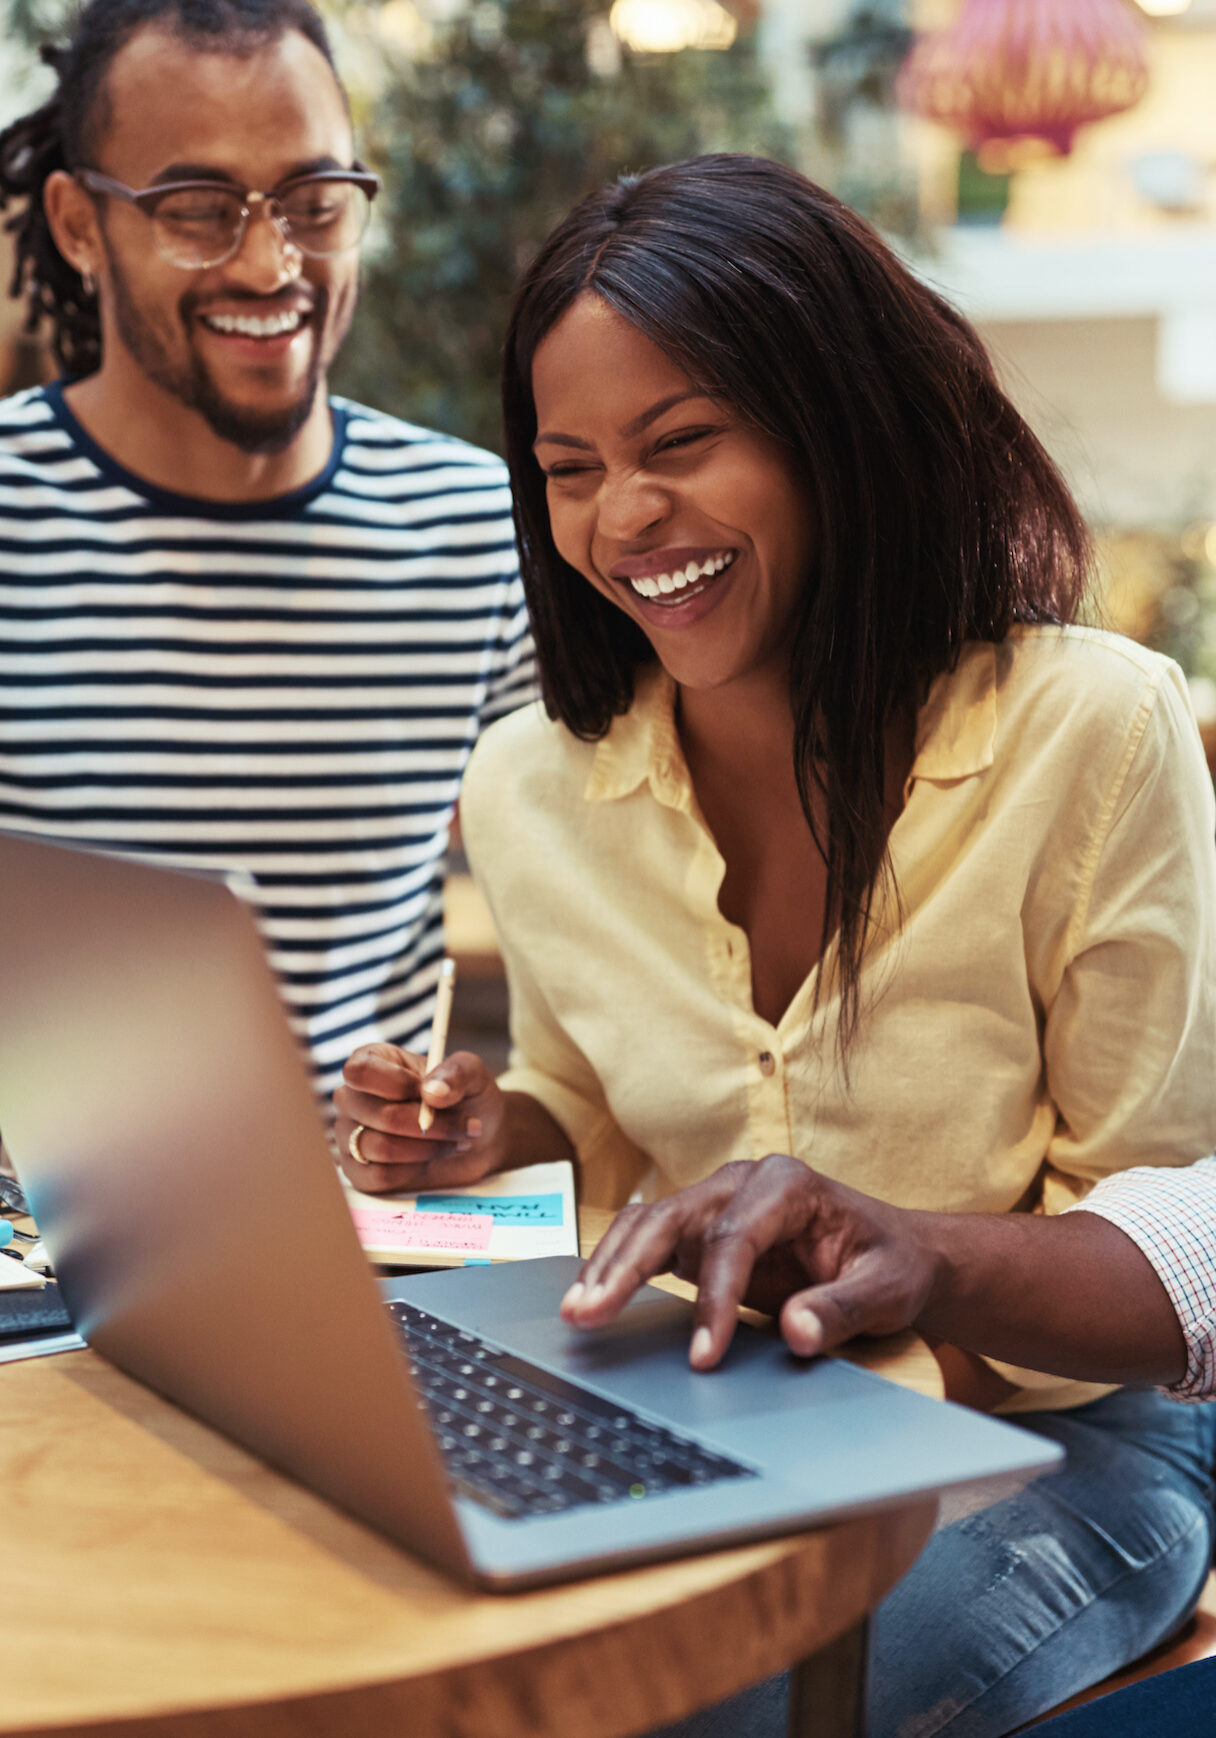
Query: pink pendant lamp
point(1028, 69)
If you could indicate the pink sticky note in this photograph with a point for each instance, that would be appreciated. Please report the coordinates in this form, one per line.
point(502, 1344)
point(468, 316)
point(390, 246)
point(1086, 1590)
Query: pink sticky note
point(399, 1228)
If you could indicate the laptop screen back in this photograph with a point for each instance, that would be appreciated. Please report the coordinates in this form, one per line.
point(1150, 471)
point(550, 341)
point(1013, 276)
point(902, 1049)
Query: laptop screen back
point(158, 1112)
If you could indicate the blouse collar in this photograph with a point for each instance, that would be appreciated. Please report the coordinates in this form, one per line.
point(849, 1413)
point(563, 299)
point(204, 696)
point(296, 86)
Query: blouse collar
point(955, 734)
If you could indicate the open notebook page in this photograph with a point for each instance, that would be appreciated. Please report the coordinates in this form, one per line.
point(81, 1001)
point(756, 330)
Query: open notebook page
point(513, 1216)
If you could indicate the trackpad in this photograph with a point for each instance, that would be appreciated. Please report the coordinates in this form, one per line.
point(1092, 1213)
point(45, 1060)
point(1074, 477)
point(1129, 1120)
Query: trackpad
point(642, 1359)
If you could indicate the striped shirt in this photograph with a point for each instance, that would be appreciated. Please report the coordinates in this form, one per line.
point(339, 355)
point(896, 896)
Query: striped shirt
point(1171, 1216)
point(288, 689)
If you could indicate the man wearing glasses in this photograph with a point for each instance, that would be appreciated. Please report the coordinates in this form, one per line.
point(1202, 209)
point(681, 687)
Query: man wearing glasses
point(242, 627)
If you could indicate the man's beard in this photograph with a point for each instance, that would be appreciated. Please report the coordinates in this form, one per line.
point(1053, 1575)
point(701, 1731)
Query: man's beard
point(191, 384)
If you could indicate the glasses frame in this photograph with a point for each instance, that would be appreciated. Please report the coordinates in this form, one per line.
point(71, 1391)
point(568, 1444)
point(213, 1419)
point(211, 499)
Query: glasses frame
point(146, 199)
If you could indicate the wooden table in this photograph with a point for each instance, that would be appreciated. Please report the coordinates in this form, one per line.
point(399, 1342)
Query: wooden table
point(160, 1582)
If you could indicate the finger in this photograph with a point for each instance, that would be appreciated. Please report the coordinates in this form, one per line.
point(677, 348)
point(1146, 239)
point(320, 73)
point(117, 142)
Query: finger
point(401, 1156)
point(825, 1316)
point(362, 1173)
point(392, 1118)
point(464, 1084)
point(645, 1240)
point(378, 1148)
point(372, 1179)
point(391, 1166)
point(400, 1122)
point(771, 1203)
point(385, 1071)
point(597, 1263)
point(453, 1169)
point(725, 1273)
point(640, 1242)
point(460, 1078)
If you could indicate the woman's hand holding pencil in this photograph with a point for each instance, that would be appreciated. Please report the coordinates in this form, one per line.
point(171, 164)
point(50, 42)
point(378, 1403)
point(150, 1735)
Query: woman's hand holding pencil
point(404, 1121)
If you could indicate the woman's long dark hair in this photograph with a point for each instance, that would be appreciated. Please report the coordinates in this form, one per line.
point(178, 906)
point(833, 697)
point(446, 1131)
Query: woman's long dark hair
point(938, 517)
point(60, 135)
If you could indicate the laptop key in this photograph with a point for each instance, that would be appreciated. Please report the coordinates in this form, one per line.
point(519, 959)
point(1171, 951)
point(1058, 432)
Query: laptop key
point(526, 1442)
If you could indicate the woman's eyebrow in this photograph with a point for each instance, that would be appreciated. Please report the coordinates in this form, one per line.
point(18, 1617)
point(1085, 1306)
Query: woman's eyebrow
point(554, 439)
point(633, 427)
point(657, 410)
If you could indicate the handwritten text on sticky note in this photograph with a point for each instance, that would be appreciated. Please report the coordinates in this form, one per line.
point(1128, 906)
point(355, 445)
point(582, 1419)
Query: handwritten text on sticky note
point(503, 1209)
point(384, 1228)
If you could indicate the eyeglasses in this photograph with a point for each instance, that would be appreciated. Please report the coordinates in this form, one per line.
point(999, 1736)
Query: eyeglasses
point(196, 224)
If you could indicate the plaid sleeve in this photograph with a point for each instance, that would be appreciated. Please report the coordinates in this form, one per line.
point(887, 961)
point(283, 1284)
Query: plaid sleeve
point(1171, 1216)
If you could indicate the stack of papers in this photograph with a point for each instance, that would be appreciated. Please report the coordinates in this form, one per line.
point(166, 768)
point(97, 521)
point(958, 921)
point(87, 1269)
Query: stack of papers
point(16, 1276)
point(513, 1216)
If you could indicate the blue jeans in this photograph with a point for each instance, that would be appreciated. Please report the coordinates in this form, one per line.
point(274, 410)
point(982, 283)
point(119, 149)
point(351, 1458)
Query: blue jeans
point(1012, 1609)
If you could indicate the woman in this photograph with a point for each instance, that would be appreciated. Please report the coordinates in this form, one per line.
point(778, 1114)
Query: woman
point(838, 842)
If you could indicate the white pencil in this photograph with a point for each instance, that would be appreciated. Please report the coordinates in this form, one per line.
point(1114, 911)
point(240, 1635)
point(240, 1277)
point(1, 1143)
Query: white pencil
point(439, 1031)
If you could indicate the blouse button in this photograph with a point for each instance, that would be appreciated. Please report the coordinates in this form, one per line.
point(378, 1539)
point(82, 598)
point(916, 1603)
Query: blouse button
point(768, 1062)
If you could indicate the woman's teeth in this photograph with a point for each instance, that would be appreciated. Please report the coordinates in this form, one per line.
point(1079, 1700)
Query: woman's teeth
point(662, 584)
point(251, 326)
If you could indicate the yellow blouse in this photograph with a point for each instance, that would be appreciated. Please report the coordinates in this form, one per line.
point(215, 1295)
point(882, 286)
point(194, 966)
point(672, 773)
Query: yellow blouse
point(1044, 1014)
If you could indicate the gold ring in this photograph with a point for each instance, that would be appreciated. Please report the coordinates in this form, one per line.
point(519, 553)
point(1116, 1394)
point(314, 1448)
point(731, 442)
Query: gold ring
point(352, 1145)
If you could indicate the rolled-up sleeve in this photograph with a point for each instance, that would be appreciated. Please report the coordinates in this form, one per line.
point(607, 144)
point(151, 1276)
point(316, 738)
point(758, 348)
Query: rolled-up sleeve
point(1171, 1217)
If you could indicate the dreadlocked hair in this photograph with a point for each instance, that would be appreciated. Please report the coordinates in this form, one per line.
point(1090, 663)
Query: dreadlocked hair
point(61, 133)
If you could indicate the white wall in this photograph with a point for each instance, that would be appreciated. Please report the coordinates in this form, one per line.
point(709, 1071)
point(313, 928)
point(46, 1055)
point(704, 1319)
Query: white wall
point(1088, 388)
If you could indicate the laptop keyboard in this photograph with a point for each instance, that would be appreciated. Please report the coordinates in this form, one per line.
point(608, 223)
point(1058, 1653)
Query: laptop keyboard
point(524, 1442)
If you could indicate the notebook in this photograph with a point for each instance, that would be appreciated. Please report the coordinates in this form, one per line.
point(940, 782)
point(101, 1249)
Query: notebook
point(515, 1216)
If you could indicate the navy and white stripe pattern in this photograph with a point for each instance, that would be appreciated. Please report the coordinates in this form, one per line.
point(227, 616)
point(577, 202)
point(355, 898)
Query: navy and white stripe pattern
point(289, 689)
point(1171, 1216)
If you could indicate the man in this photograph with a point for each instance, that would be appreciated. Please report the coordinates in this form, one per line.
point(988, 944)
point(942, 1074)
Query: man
point(1121, 1288)
point(244, 628)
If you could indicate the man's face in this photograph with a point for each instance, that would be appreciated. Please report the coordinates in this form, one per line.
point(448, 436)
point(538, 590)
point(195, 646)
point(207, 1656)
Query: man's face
point(245, 343)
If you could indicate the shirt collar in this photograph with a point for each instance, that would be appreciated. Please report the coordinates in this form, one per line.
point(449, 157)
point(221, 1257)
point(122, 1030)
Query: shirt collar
point(955, 734)
point(643, 745)
point(956, 727)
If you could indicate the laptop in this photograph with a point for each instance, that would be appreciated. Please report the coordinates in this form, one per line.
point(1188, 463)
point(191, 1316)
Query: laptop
point(158, 1110)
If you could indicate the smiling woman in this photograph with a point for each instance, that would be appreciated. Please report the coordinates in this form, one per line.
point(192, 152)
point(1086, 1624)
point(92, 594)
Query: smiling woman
point(671, 505)
point(852, 414)
point(839, 840)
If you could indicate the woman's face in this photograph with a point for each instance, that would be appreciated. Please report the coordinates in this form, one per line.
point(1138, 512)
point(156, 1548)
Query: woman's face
point(685, 518)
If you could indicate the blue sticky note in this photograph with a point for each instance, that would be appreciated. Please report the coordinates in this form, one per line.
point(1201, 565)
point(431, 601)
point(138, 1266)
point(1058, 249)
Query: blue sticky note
point(476, 1261)
point(503, 1209)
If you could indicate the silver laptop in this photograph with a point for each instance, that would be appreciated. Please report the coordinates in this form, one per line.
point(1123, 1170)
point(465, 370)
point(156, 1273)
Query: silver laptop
point(158, 1112)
